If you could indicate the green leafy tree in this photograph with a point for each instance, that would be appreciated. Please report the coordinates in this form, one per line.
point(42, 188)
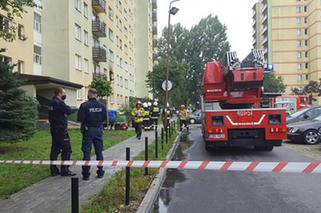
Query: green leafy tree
point(190, 51)
point(13, 9)
point(273, 84)
point(18, 112)
point(102, 85)
point(313, 87)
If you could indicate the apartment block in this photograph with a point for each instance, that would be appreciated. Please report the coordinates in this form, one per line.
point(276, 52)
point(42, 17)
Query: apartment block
point(76, 40)
point(291, 35)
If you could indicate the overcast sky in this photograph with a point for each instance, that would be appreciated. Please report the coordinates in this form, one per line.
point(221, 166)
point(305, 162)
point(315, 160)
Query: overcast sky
point(235, 14)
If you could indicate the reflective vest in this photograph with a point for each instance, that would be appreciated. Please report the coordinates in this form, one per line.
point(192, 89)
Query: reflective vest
point(138, 115)
point(183, 115)
point(146, 114)
point(155, 112)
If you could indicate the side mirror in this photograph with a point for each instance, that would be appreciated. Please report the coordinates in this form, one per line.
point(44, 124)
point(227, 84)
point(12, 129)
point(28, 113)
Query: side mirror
point(306, 117)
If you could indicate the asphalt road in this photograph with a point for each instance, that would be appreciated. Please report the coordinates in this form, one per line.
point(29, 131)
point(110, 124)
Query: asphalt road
point(212, 191)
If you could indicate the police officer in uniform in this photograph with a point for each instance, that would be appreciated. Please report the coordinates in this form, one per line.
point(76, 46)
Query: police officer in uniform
point(58, 119)
point(92, 115)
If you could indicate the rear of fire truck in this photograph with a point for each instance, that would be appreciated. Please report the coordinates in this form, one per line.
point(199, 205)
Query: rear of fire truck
point(231, 101)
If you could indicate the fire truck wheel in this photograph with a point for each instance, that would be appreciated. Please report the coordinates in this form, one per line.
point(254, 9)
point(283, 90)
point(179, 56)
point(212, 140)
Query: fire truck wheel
point(264, 148)
point(311, 137)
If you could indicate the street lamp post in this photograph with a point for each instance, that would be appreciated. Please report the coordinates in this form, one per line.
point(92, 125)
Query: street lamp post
point(171, 11)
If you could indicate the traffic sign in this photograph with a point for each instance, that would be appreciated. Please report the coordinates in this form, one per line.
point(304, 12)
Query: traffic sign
point(169, 85)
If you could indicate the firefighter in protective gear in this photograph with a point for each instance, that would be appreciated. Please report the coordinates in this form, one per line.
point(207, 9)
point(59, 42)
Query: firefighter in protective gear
point(167, 115)
point(146, 118)
point(155, 113)
point(138, 118)
point(183, 116)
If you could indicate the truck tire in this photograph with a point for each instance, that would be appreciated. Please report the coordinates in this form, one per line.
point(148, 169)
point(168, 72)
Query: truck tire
point(264, 148)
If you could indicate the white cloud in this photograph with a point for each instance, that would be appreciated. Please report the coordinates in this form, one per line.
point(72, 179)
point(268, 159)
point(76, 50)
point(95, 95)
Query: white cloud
point(235, 14)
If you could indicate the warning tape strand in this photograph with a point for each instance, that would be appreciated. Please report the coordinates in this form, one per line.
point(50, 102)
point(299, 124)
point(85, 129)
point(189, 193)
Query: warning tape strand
point(223, 166)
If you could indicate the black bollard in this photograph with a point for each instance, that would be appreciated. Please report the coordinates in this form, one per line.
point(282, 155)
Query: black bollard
point(75, 195)
point(162, 138)
point(127, 188)
point(166, 135)
point(146, 154)
point(156, 144)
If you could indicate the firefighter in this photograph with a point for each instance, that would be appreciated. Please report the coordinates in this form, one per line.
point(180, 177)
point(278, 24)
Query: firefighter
point(155, 113)
point(146, 116)
point(58, 119)
point(183, 116)
point(138, 116)
point(166, 115)
point(92, 115)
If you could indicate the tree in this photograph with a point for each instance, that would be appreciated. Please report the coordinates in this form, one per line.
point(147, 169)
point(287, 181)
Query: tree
point(13, 9)
point(102, 85)
point(313, 87)
point(273, 84)
point(18, 112)
point(190, 51)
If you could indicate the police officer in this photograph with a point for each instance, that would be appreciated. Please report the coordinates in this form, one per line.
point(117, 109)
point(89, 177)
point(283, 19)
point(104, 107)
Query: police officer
point(138, 117)
point(92, 115)
point(58, 119)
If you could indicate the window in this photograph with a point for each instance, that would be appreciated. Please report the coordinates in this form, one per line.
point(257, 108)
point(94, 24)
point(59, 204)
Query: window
point(37, 55)
point(37, 22)
point(299, 77)
point(111, 55)
point(77, 32)
point(306, 42)
point(79, 94)
point(78, 5)
point(111, 34)
point(110, 13)
point(306, 31)
point(299, 66)
point(299, 55)
point(86, 37)
point(85, 10)
point(298, 9)
point(305, 9)
point(86, 66)
point(306, 65)
point(307, 77)
point(117, 60)
point(4, 23)
point(78, 62)
point(21, 66)
point(299, 20)
point(21, 32)
point(306, 54)
point(298, 32)
point(299, 44)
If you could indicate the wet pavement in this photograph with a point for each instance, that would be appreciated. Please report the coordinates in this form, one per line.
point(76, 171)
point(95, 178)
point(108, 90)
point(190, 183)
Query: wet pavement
point(213, 191)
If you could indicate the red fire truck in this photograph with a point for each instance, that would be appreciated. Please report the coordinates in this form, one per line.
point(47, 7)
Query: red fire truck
point(231, 105)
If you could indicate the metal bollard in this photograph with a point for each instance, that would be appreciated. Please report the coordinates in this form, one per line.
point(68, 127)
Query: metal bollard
point(166, 135)
point(127, 188)
point(156, 144)
point(75, 195)
point(146, 154)
point(162, 138)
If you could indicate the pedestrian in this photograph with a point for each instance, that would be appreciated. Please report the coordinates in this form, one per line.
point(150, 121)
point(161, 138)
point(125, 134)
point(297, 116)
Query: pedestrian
point(138, 116)
point(58, 119)
point(92, 115)
point(183, 115)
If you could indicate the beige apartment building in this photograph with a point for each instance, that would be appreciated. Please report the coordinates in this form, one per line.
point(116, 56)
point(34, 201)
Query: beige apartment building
point(290, 32)
point(71, 41)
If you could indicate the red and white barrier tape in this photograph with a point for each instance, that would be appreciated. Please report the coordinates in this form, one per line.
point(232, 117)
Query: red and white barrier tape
point(277, 167)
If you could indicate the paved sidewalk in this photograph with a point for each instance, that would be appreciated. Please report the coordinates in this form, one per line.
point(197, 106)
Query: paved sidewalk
point(53, 194)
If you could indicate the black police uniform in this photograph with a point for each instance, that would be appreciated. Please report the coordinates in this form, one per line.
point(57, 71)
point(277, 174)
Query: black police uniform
point(92, 116)
point(58, 119)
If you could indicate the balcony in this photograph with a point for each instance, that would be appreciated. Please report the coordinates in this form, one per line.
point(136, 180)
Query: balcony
point(99, 75)
point(99, 6)
point(154, 4)
point(99, 28)
point(154, 30)
point(154, 16)
point(154, 42)
point(99, 54)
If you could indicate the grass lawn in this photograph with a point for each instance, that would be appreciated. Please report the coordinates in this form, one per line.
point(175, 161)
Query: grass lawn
point(13, 178)
point(111, 199)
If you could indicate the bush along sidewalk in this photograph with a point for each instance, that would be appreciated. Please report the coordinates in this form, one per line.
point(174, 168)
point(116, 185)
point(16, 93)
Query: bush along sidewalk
point(111, 198)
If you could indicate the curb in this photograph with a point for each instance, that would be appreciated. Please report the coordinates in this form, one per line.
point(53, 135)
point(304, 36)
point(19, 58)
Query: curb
point(154, 189)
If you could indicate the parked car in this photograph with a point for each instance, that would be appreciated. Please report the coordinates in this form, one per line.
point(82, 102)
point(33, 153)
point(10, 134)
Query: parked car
point(195, 117)
point(304, 114)
point(308, 131)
